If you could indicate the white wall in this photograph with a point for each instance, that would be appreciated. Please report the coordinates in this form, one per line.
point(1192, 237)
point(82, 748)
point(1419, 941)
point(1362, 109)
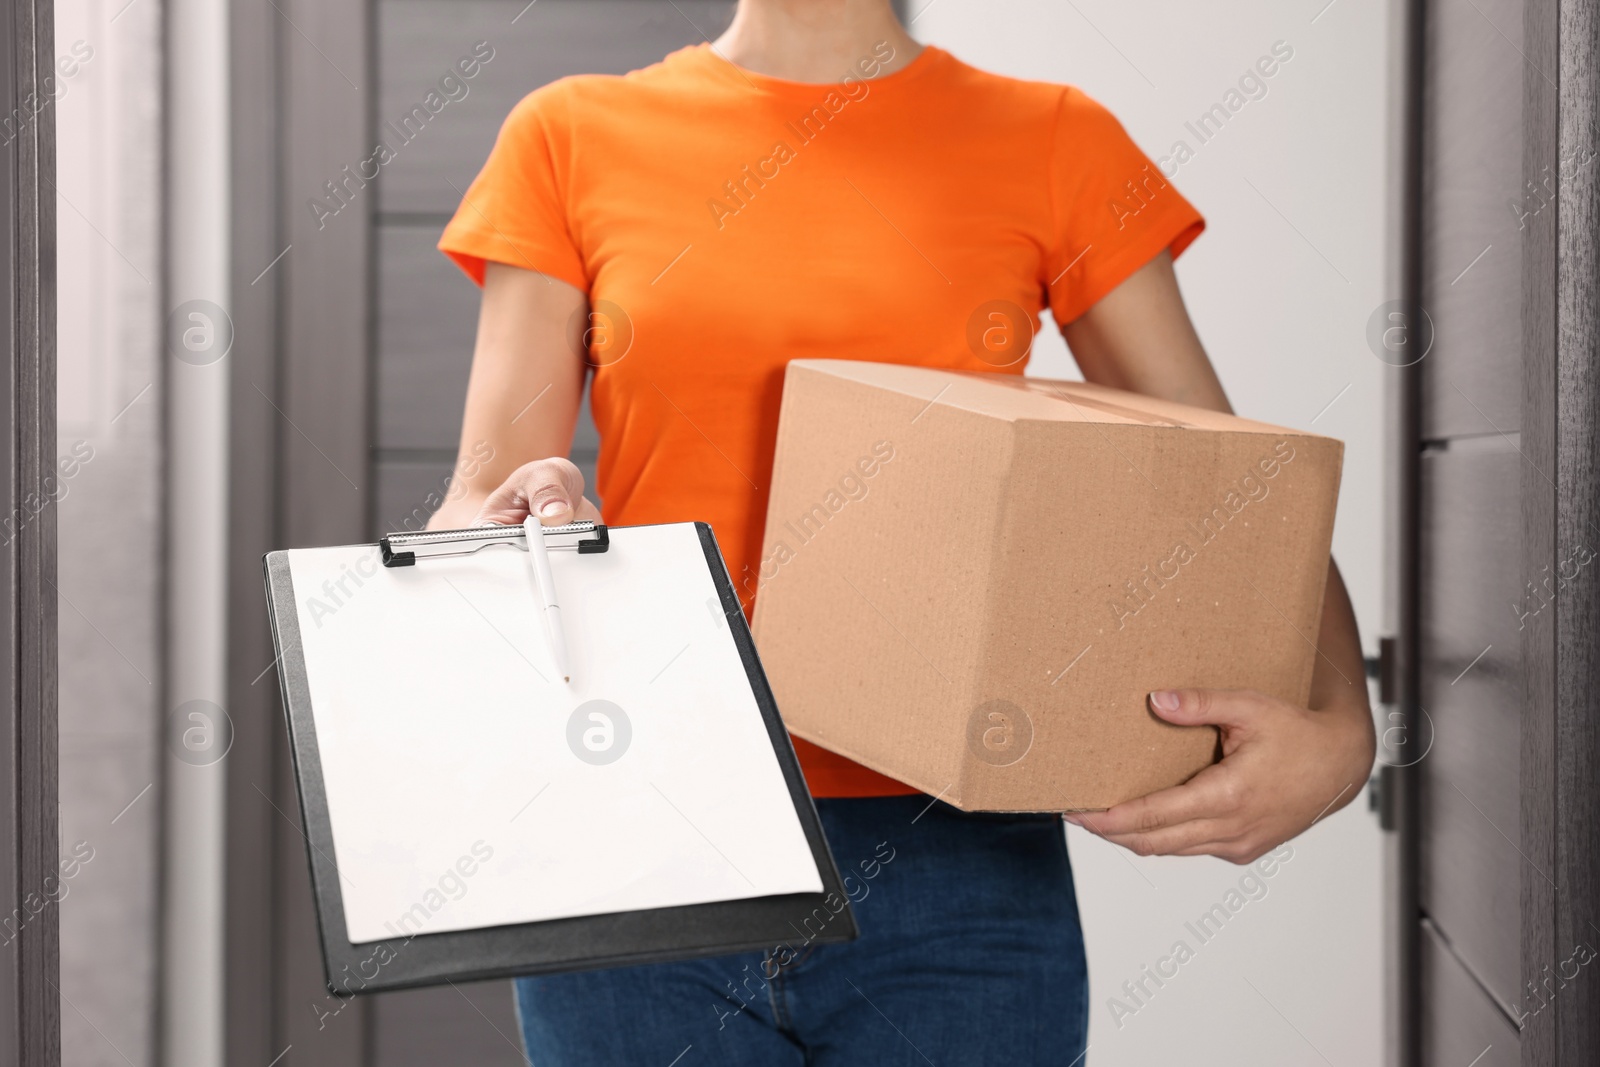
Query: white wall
point(108, 261)
point(1280, 286)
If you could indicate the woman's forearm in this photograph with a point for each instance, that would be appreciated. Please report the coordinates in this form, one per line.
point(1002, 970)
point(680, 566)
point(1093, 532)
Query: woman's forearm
point(1339, 679)
point(523, 395)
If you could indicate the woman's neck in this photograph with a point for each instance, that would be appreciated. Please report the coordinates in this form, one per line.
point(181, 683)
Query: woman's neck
point(814, 40)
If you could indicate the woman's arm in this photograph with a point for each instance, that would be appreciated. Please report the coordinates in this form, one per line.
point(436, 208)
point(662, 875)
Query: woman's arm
point(522, 405)
point(1283, 767)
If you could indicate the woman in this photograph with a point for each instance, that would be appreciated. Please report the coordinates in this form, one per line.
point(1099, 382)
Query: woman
point(816, 184)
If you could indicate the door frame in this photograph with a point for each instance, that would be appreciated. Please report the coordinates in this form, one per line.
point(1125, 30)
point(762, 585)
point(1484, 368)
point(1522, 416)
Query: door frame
point(1559, 443)
point(1560, 447)
point(30, 997)
point(298, 423)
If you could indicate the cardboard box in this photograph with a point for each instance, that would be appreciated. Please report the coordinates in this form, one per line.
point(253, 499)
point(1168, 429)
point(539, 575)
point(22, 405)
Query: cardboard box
point(970, 582)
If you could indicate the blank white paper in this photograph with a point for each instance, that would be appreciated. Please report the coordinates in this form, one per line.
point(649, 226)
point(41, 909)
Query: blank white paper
point(442, 725)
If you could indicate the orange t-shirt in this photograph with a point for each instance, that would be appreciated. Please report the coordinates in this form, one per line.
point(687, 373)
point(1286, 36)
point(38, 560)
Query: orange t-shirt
point(723, 223)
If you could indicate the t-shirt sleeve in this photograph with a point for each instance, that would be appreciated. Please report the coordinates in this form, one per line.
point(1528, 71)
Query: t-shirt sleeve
point(515, 211)
point(1114, 210)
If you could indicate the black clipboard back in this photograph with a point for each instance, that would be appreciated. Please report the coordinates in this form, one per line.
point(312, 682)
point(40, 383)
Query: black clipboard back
point(558, 945)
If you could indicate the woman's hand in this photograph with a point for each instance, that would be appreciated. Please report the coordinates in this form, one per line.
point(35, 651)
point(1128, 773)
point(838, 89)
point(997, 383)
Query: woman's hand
point(550, 488)
point(1283, 768)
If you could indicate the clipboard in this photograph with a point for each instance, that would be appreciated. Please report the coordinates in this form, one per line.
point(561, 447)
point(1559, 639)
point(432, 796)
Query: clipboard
point(731, 918)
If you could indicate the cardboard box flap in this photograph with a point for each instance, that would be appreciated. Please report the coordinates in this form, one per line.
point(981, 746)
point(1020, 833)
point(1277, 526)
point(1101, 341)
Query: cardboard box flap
point(1013, 397)
point(1136, 408)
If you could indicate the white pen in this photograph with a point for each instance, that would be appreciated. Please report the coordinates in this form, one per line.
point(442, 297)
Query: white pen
point(539, 559)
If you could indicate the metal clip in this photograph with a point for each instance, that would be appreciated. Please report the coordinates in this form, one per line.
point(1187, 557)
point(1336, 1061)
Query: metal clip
point(404, 549)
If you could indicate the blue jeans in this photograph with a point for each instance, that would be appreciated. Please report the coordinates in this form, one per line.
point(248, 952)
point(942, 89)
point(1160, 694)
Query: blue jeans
point(970, 953)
